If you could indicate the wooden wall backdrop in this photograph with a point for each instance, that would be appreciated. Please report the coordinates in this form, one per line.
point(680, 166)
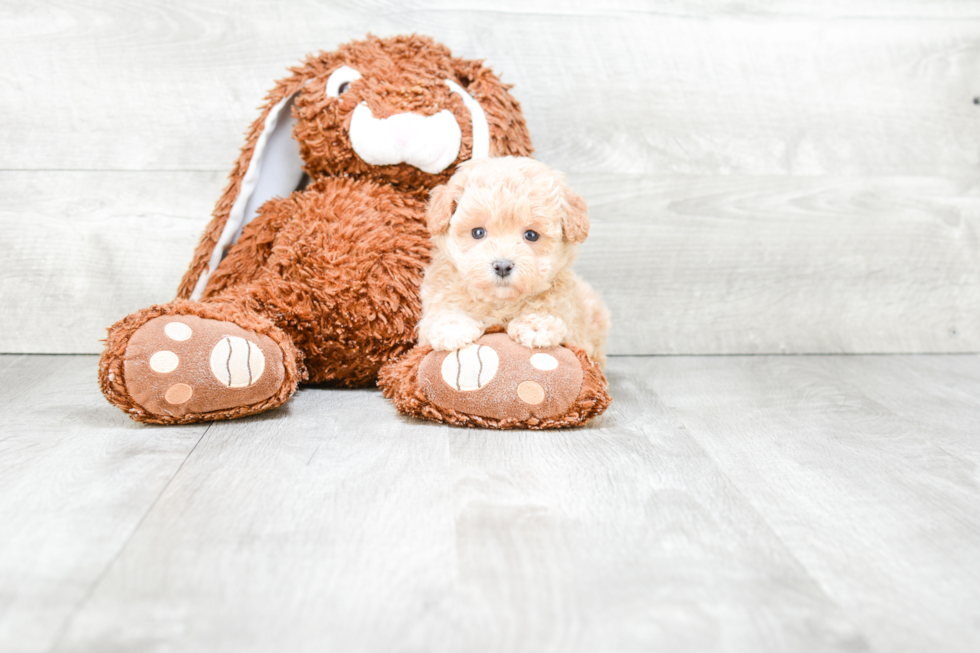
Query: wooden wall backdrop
point(763, 175)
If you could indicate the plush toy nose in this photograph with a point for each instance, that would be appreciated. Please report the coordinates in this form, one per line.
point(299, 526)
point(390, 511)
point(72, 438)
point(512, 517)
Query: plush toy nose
point(502, 268)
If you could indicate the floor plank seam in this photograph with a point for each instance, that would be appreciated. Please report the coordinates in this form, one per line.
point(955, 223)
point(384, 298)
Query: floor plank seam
point(841, 354)
point(222, 171)
point(745, 500)
point(66, 626)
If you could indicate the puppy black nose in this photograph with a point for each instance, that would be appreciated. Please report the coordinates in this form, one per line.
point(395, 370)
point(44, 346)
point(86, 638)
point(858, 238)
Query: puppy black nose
point(502, 268)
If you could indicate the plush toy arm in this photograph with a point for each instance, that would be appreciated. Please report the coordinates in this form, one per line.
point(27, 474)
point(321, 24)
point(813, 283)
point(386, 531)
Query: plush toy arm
point(246, 258)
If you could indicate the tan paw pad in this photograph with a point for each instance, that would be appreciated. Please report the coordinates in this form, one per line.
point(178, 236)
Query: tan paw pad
point(164, 362)
point(530, 393)
point(179, 393)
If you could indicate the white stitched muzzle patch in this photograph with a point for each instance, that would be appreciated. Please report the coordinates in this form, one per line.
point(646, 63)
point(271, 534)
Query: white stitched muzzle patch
point(430, 143)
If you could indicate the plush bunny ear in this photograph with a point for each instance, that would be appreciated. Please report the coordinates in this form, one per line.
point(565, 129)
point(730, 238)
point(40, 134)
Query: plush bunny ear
point(505, 123)
point(269, 166)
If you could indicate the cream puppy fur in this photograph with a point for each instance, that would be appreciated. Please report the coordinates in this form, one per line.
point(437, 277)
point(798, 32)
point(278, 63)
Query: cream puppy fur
point(504, 232)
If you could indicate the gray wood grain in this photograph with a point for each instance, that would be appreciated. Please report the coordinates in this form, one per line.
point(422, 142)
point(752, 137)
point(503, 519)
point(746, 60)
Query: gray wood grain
point(936, 398)
point(764, 177)
point(688, 87)
point(316, 516)
point(84, 249)
point(337, 525)
point(820, 503)
point(76, 479)
point(714, 265)
point(724, 265)
point(850, 463)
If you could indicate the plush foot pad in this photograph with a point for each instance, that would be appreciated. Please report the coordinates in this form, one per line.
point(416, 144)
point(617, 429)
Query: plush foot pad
point(496, 383)
point(182, 365)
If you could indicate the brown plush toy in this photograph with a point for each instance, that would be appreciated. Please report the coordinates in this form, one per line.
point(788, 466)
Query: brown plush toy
point(311, 267)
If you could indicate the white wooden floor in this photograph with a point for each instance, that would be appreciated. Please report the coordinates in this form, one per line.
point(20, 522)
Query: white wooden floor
point(761, 503)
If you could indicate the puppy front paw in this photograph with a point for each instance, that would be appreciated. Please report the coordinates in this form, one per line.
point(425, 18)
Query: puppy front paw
point(537, 331)
point(452, 334)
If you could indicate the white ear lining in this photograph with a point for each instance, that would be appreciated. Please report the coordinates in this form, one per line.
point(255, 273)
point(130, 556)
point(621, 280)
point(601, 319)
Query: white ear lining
point(481, 130)
point(275, 170)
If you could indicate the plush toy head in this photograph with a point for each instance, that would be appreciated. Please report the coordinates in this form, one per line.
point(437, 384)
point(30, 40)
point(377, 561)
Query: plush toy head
point(401, 111)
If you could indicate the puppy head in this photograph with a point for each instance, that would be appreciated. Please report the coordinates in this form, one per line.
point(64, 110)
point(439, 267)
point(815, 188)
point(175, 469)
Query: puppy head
point(509, 225)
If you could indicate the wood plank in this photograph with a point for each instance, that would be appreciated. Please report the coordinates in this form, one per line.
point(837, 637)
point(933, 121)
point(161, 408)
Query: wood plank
point(339, 523)
point(935, 397)
point(726, 265)
point(76, 479)
point(883, 517)
point(327, 522)
point(624, 538)
point(715, 265)
point(729, 88)
point(82, 250)
point(773, 503)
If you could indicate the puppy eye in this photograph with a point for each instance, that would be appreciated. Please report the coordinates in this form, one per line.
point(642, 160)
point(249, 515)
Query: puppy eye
point(530, 235)
point(343, 88)
point(479, 233)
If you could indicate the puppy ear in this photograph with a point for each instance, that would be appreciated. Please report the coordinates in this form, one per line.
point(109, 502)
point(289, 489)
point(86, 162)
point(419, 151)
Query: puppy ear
point(442, 205)
point(575, 221)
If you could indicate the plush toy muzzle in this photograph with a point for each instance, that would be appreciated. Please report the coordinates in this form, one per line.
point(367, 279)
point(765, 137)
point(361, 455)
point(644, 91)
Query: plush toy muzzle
point(430, 143)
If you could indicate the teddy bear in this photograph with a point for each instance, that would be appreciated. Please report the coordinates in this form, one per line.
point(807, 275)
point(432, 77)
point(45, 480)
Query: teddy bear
point(310, 269)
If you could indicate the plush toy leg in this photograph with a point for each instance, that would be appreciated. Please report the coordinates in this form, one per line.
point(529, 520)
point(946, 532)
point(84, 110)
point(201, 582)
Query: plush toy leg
point(496, 383)
point(337, 267)
point(191, 362)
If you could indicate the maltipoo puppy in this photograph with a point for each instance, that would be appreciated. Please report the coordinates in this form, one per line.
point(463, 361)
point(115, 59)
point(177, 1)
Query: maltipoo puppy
point(504, 232)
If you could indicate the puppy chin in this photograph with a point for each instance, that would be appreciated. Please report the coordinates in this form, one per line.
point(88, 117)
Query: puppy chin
point(493, 289)
point(512, 289)
point(505, 291)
